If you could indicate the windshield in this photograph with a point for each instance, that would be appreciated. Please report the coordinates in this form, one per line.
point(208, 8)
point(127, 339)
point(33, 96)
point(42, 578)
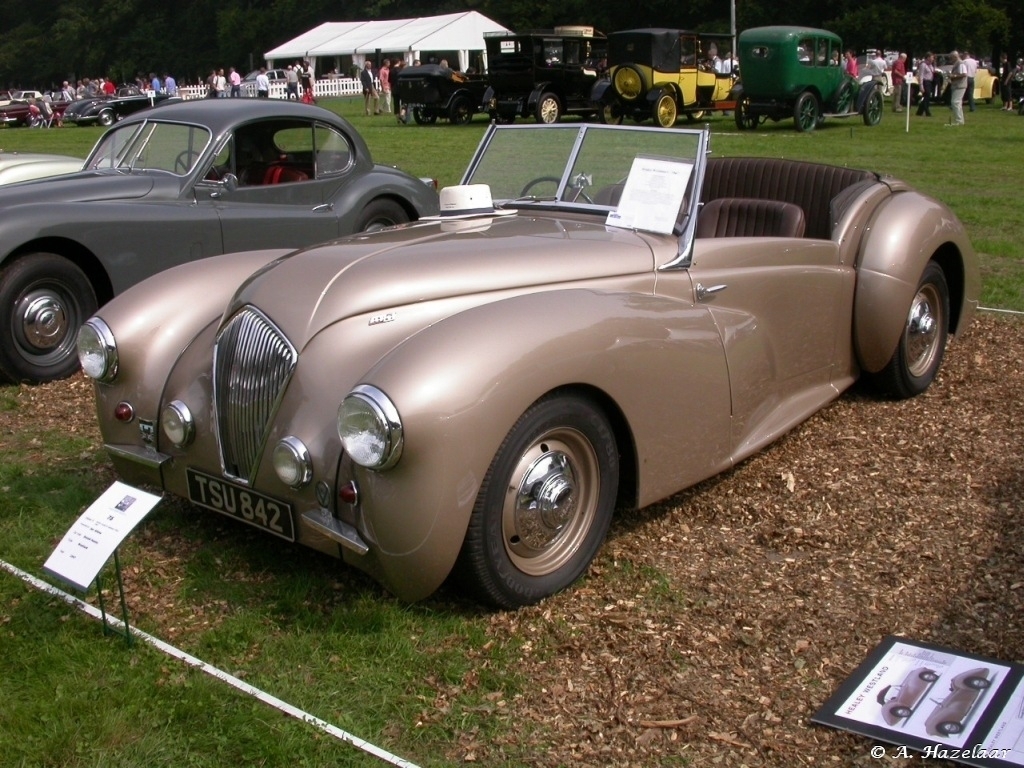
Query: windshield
point(170, 147)
point(582, 166)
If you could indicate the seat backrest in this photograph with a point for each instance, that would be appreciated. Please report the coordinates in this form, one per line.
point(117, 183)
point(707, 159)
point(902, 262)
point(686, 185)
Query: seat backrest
point(281, 174)
point(749, 217)
point(808, 185)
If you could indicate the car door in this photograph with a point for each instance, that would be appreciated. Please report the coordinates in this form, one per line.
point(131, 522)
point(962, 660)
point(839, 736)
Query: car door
point(781, 308)
point(285, 185)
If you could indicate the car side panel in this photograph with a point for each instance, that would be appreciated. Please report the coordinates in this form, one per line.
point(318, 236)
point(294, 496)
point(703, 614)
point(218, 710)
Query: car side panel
point(784, 310)
point(635, 349)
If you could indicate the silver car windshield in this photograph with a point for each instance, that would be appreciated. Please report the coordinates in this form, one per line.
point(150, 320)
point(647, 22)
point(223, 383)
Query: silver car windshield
point(152, 146)
point(579, 166)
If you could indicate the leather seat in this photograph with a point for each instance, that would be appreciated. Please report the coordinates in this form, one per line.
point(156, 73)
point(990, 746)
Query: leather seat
point(750, 217)
point(282, 174)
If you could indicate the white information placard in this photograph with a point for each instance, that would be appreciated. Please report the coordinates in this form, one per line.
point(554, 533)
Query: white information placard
point(652, 195)
point(97, 532)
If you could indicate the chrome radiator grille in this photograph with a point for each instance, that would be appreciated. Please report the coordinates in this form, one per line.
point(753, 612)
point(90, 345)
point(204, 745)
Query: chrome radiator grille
point(252, 363)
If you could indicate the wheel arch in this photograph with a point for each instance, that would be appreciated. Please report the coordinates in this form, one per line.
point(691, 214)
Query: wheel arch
point(888, 273)
point(77, 254)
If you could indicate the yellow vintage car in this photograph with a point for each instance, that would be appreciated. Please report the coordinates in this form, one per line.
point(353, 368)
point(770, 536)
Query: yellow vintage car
point(662, 74)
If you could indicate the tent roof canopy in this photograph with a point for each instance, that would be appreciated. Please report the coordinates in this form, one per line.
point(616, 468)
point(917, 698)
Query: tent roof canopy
point(450, 32)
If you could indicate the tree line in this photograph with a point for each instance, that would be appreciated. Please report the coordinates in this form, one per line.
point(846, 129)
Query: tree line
point(42, 44)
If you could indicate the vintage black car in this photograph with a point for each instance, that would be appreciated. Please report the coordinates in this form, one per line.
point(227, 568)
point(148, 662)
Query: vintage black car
point(106, 110)
point(433, 91)
point(543, 74)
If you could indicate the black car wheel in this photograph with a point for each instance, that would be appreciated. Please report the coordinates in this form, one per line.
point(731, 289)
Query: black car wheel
point(549, 109)
point(422, 117)
point(950, 728)
point(461, 111)
point(843, 100)
point(928, 676)
point(745, 119)
point(918, 355)
point(106, 118)
point(977, 683)
point(873, 108)
point(900, 712)
point(379, 214)
point(610, 114)
point(46, 298)
point(544, 505)
point(806, 111)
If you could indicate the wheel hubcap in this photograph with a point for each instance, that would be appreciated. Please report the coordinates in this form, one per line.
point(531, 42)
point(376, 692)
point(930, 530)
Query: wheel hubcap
point(44, 321)
point(549, 111)
point(922, 332)
point(551, 502)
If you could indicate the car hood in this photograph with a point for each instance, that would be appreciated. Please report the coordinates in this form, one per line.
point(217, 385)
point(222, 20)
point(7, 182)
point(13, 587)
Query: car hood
point(310, 289)
point(82, 187)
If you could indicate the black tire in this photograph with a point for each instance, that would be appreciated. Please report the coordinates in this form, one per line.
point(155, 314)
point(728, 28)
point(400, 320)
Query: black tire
point(901, 712)
point(873, 108)
point(106, 118)
point(549, 109)
point(806, 112)
point(843, 101)
point(745, 119)
point(422, 117)
point(461, 111)
point(928, 676)
point(977, 683)
point(381, 213)
point(544, 506)
point(46, 298)
point(610, 114)
point(915, 363)
point(665, 111)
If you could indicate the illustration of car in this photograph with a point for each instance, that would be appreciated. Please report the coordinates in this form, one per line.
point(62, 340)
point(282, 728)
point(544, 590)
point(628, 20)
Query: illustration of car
point(177, 183)
point(950, 715)
point(797, 72)
point(606, 319)
point(899, 701)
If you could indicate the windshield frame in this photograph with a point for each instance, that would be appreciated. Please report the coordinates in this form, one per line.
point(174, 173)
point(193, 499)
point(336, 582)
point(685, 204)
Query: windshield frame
point(570, 195)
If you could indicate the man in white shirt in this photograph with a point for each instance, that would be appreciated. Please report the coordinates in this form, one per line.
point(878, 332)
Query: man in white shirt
point(971, 69)
point(958, 87)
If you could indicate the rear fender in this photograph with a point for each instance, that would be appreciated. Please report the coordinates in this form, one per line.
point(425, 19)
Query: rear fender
point(908, 231)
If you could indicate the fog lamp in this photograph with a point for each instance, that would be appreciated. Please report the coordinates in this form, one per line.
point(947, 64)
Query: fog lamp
point(292, 463)
point(176, 421)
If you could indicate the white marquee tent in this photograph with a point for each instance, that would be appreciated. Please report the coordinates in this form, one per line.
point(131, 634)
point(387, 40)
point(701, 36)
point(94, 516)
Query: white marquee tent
point(410, 39)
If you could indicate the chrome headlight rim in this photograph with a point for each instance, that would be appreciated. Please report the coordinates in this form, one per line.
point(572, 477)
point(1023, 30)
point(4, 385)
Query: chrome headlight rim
point(100, 362)
point(297, 459)
point(176, 409)
point(367, 399)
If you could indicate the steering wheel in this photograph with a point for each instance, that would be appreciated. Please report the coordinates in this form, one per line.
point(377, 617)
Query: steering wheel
point(184, 160)
point(539, 180)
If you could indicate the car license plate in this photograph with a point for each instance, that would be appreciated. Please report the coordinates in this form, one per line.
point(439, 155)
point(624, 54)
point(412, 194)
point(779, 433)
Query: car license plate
point(271, 515)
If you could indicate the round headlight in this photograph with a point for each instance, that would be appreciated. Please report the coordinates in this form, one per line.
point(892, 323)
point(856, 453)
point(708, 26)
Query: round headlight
point(370, 428)
point(292, 463)
point(177, 423)
point(97, 350)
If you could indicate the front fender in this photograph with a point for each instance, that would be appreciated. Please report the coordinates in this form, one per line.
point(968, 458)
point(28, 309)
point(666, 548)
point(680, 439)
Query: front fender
point(602, 92)
point(461, 384)
point(908, 231)
point(148, 320)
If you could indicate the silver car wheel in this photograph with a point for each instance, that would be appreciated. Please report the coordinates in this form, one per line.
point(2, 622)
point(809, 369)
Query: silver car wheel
point(545, 504)
point(922, 331)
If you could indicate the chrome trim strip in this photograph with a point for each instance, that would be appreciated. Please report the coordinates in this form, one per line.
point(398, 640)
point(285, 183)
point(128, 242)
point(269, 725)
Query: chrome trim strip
point(336, 530)
point(145, 457)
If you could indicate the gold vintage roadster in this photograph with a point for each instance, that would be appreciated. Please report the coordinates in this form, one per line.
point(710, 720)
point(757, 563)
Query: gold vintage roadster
point(599, 317)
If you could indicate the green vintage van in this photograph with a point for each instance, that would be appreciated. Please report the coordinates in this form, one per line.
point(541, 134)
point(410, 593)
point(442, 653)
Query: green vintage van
point(798, 72)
